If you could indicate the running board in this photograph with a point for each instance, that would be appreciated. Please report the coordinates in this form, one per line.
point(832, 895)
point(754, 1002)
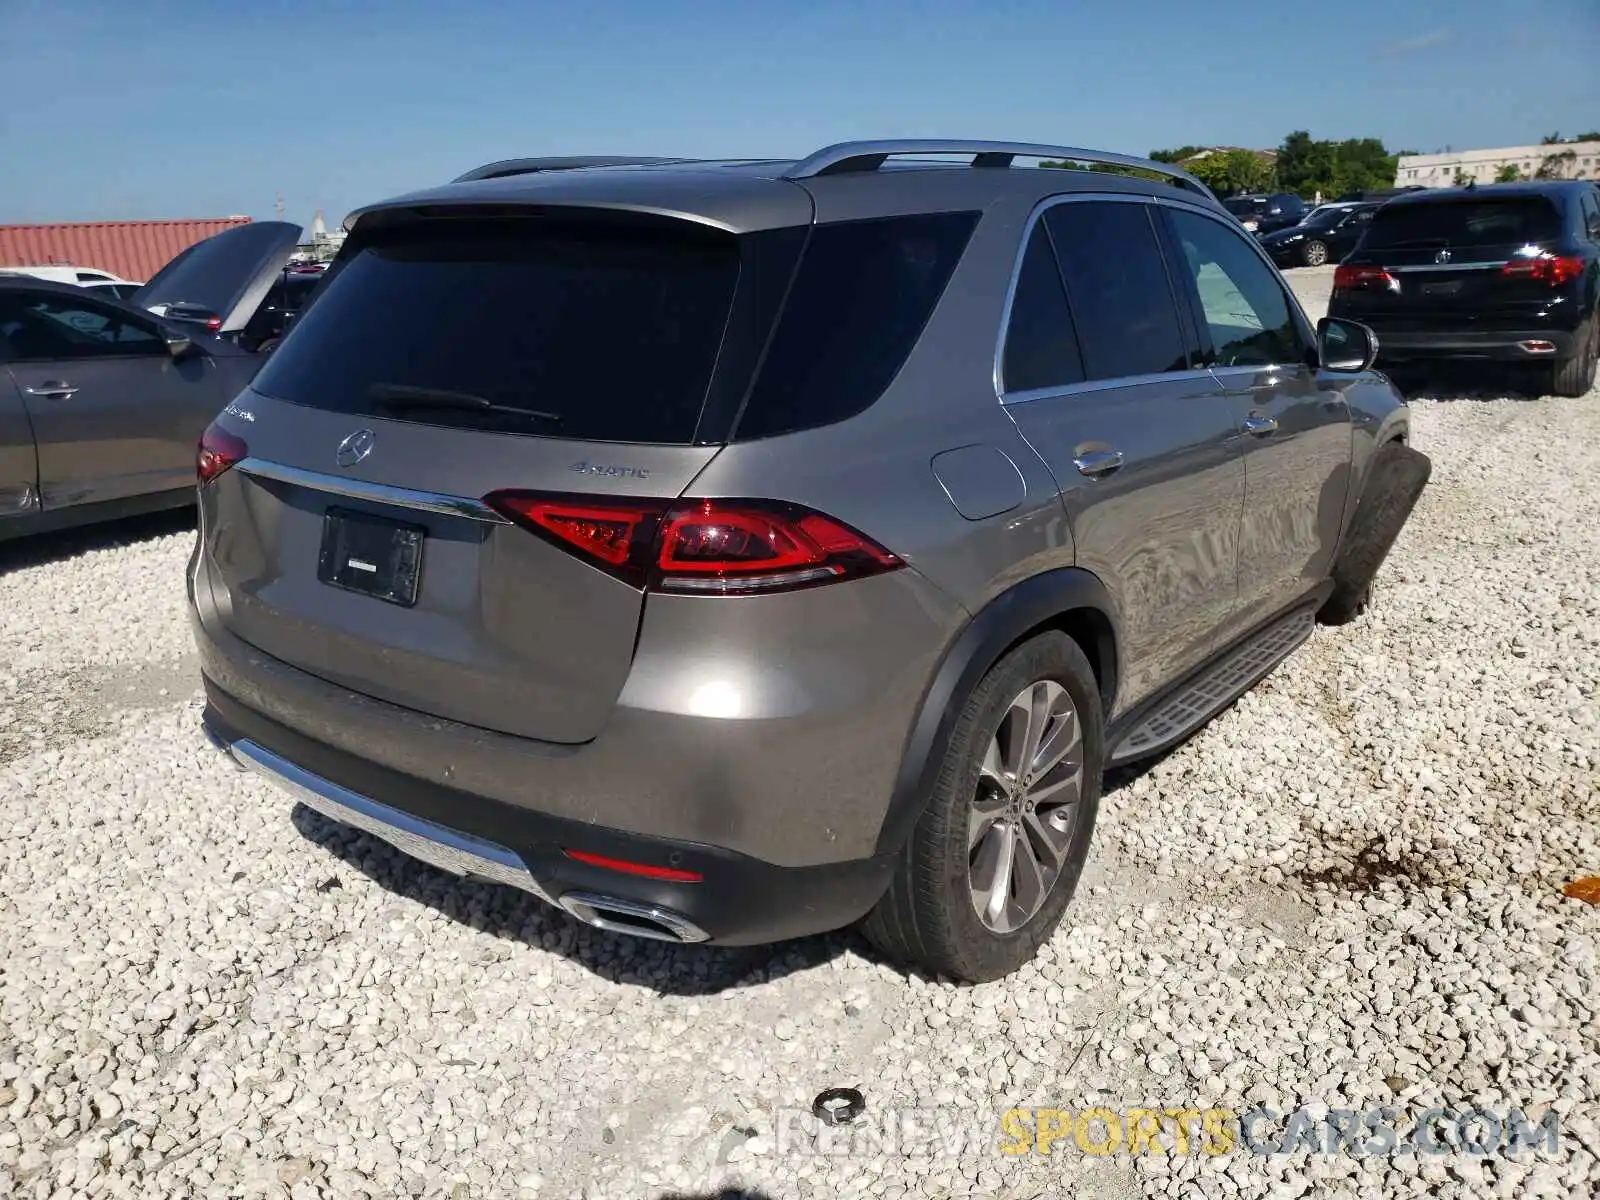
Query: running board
point(1208, 693)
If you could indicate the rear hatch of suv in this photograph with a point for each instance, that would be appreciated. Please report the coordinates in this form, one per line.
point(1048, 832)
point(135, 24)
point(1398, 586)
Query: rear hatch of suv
point(457, 484)
point(1461, 261)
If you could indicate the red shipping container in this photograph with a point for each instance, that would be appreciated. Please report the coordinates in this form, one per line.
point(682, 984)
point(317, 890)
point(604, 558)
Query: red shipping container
point(132, 249)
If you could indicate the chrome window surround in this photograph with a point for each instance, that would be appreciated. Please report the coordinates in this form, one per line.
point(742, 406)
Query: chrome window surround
point(1101, 385)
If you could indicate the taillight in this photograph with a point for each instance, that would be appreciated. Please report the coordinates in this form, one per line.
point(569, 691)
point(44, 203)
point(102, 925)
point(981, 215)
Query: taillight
point(1363, 277)
point(721, 547)
point(218, 450)
point(214, 323)
point(1552, 269)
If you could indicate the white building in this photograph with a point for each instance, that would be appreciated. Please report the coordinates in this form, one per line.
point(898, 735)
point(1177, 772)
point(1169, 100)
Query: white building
point(1574, 160)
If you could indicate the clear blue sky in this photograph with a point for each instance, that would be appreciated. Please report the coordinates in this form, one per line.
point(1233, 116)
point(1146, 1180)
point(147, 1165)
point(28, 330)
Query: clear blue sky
point(127, 109)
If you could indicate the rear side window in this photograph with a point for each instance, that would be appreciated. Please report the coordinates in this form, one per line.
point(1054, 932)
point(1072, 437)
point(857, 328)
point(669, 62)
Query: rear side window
point(1241, 301)
point(860, 299)
point(595, 332)
point(1118, 289)
point(1041, 348)
point(1457, 224)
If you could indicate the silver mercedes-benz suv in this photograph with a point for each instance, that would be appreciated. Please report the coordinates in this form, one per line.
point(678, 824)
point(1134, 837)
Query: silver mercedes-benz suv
point(737, 550)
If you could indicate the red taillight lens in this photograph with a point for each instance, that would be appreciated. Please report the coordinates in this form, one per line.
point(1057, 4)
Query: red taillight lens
point(670, 874)
point(727, 547)
point(1553, 269)
point(218, 450)
point(1362, 277)
point(214, 324)
point(730, 546)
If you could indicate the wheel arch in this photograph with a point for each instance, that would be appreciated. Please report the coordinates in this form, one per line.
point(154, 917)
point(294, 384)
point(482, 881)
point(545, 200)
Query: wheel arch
point(1070, 600)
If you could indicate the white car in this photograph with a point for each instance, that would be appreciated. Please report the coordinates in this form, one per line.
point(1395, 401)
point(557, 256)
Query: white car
point(89, 277)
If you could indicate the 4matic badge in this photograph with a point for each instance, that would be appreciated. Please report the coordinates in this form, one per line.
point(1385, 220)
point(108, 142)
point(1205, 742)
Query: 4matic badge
point(609, 471)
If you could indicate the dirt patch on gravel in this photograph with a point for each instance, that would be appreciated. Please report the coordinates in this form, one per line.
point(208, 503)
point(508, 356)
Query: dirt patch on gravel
point(1372, 864)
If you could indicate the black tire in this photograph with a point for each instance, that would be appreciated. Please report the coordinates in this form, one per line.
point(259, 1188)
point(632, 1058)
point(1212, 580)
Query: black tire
point(1314, 253)
point(1573, 377)
point(927, 918)
point(268, 346)
point(1394, 483)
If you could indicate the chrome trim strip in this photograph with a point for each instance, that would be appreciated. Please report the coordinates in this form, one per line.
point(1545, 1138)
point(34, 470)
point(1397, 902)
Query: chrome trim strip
point(834, 159)
point(587, 907)
point(448, 849)
point(376, 493)
point(1101, 385)
point(1450, 266)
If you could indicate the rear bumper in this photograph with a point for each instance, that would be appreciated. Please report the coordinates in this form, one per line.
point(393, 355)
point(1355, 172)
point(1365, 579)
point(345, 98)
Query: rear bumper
point(1505, 345)
point(739, 900)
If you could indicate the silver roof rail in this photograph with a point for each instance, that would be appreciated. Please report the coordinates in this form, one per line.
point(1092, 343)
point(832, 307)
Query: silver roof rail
point(528, 166)
point(847, 157)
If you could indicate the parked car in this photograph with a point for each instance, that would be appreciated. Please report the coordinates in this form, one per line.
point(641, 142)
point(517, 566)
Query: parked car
point(82, 276)
point(1508, 272)
point(1266, 214)
point(1326, 235)
point(235, 284)
point(102, 401)
point(680, 545)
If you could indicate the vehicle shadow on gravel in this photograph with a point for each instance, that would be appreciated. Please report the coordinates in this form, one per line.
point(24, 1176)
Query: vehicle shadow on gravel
point(504, 912)
point(41, 549)
point(1468, 381)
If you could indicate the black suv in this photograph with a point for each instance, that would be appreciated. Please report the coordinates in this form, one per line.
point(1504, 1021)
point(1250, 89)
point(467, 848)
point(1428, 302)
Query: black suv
point(1266, 214)
point(1507, 271)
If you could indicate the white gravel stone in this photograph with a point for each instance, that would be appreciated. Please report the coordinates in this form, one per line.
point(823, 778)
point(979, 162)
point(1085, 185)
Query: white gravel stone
point(1344, 893)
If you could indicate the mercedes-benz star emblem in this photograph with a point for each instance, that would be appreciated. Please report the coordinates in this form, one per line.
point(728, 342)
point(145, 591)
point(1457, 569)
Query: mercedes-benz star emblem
point(355, 447)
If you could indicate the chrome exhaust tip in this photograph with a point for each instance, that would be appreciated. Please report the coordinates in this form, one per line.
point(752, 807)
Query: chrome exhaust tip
point(1537, 346)
point(637, 920)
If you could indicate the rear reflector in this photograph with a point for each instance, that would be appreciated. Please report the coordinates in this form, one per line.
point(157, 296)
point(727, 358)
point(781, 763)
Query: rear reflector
point(670, 874)
point(1553, 269)
point(722, 547)
point(1363, 277)
point(217, 451)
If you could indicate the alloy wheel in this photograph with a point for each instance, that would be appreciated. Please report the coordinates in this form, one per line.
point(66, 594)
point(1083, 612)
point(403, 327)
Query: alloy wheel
point(1025, 808)
point(1316, 254)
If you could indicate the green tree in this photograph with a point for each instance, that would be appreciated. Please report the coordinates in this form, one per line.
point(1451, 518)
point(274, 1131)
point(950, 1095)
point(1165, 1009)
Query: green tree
point(1557, 165)
point(1461, 179)
point(1175, 156)
point(1233, 171)
point(1508, 174)
point(1308, 166)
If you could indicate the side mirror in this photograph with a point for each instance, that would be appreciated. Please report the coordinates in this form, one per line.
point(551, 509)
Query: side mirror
point(179, 346)
point(1345, 346)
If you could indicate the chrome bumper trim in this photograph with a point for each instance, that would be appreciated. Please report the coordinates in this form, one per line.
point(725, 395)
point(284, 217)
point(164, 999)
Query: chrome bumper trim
point(448, 849)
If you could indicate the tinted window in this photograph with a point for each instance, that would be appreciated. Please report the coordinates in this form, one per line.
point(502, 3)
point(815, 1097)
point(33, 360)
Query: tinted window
point(863, 293)
point(1591, 214)
point(1118, 289)
point(36, 326)
point(582, 331)
point(1245, 310)
point(1462, 223)
point(1041, 344)
point(1244, 206)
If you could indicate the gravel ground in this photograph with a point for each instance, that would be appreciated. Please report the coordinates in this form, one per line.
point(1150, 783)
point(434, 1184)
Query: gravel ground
point(1346, 892)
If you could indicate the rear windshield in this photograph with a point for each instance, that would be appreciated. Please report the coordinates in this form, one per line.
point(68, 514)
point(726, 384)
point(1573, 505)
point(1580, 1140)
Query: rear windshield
point(1242, 208)
point(1509, 220)
point(594, 332)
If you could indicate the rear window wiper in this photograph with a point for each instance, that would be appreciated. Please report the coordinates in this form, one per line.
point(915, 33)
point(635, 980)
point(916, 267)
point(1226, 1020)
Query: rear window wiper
point(400, 397)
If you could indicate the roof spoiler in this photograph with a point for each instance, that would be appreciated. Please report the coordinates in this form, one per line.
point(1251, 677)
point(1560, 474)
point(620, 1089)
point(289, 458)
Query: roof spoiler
point(529, 166)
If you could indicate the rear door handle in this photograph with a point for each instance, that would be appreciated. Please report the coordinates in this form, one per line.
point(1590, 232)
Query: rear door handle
point(1260, 426)
point(1095, 463)
point(53, 389)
